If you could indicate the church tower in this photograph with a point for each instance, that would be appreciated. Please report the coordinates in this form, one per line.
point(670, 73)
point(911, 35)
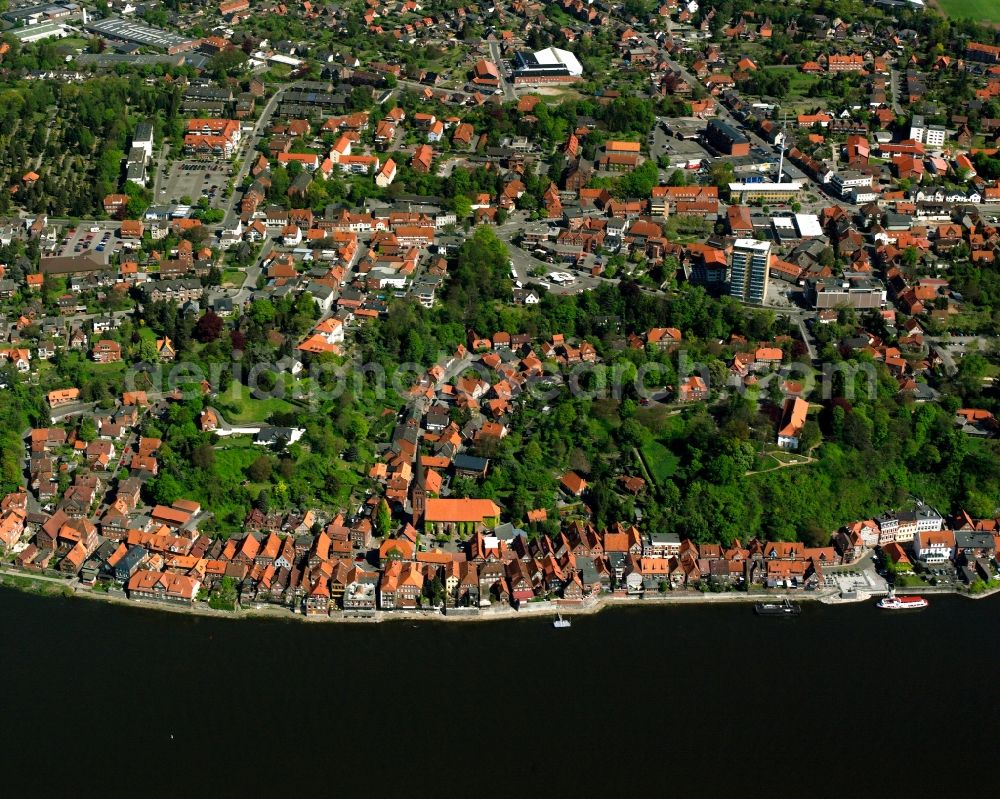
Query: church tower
point(418, 497)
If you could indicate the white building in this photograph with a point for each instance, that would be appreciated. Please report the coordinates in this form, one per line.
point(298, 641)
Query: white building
point(935, 136)
point(934, 547)
point(38, 33)
point(845, 182)
point(931, 135)
point(808, 226)
point(143, 138)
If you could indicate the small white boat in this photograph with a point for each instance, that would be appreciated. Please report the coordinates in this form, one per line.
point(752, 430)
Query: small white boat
point(560, 622)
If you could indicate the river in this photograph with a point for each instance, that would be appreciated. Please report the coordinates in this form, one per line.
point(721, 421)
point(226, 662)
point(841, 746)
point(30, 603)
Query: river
point(845, 700)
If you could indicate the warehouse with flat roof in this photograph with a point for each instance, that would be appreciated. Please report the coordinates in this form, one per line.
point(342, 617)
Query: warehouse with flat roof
point(40, 32)
point(124, 30)
point(42, 12)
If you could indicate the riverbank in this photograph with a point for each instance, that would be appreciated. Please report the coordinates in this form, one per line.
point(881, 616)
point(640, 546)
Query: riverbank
point(50, 586)
point(33, 584)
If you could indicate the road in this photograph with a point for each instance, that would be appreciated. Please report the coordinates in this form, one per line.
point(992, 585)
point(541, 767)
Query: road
point(252, 273)
point(525, 263)
point(508, 89)
point(807, 338)
point(72, 409)
point(246, 152)
point(159, 169)
point(897, 108)
point(419, 87)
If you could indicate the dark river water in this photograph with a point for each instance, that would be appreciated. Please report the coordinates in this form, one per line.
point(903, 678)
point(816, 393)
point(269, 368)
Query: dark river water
point(709, 700)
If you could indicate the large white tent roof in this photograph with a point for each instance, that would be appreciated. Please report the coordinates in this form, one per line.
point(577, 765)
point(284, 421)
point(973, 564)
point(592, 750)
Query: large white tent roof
point(553, 56)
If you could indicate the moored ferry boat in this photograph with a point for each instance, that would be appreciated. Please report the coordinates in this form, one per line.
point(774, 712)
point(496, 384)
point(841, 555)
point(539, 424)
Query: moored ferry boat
point(785, 608)
point(893, 602)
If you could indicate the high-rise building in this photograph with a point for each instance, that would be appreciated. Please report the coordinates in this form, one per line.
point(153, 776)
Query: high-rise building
point(748, 270)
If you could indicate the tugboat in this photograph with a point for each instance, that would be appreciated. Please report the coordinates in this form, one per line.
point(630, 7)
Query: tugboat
point(893, 602)
point(560, 622)
point(784, 608)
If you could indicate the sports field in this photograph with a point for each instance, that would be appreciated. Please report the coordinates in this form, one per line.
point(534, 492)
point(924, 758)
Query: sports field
point(979, 10)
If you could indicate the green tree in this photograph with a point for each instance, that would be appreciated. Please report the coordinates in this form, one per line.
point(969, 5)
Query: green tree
point(462, 206)
point(677, 178)
point(260, 469)
point(88, 429)
point(810, 437)
point(383, 519)
point(204, 457)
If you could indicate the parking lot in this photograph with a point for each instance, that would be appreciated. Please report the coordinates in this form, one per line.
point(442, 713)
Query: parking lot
point(104, 240)
point(195, 179)
point(678, 151)
point(782, 294)
point(943, 574)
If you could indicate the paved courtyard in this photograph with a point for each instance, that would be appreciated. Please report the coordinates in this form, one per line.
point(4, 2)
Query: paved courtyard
point(863, 579)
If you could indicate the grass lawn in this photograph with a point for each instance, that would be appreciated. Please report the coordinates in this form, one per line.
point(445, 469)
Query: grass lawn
point(969, 319)
point(239, 406)
point(605, 411)
point(978, 10)
point(799, 82)
point(661, 420)
point(233, 455)
point(233, 277)
point(660, 461)
point(104, 369)
point(278, 73)
point(73, 42)
point(765, 462)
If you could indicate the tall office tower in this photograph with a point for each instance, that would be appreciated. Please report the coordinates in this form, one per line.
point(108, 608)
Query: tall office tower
point(748, 270)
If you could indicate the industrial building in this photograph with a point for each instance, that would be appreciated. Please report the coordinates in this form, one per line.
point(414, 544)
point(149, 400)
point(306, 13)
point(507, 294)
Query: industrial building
point(41, 13)
point(40, 32)
point(135, 33)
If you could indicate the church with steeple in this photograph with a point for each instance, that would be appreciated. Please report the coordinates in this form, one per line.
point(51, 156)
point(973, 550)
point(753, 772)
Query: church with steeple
point(418, 494)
